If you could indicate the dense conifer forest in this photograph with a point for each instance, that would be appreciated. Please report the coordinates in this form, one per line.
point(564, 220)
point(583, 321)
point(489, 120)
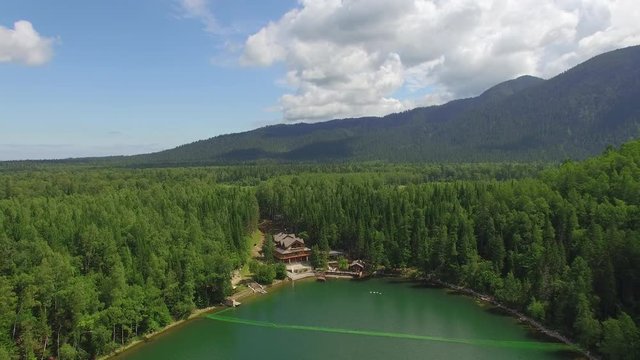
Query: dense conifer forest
point(92, 258)
point(564, 247)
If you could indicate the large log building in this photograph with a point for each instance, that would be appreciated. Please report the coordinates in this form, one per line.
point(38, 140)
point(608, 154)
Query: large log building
point(290, 248)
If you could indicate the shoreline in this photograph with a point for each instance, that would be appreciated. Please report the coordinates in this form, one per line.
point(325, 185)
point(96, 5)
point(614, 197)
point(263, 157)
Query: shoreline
point(534, 325)
point(248, 294)
point(522, 318)
point(144, 338)
point(197, 313)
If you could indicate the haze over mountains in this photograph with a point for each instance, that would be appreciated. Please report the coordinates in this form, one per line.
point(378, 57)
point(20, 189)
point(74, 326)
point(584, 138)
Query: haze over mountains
point(573, 115)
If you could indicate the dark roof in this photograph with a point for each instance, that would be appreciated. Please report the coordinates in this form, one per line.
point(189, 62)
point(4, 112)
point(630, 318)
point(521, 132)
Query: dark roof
point(286, 240)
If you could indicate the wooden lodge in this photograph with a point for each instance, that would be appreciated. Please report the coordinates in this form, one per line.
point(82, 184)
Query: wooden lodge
point(290, 248)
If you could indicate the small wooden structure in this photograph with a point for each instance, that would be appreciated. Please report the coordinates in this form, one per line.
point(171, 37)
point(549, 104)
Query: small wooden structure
point(357, 266)
point(321, 277)
point(231, 302)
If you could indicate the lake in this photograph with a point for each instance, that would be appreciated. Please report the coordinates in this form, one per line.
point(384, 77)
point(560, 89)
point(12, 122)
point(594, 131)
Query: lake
point(341, 319)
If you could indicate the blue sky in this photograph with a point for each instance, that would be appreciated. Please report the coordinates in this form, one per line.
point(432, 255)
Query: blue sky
point(131, 76)
point(91, 78)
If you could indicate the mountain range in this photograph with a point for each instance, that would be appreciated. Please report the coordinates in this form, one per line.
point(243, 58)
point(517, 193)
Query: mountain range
point(570, 116)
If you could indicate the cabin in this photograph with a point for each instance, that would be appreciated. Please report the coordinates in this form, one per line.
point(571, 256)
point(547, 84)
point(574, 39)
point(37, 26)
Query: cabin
point(357, 266)
point(290, 248)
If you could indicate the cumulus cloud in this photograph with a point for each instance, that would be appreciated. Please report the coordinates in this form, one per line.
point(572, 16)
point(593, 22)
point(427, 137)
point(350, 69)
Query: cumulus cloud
point(24, 45)
point(351, 57)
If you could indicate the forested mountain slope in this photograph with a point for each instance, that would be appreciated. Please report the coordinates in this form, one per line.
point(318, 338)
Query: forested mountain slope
point(573, 115)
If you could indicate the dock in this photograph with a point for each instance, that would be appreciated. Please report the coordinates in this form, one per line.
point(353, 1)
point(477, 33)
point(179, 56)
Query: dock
point(231, 302)
point(343, 274)
point(257, 288)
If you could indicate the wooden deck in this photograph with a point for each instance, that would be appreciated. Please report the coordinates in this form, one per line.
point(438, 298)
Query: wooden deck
point(257, 288)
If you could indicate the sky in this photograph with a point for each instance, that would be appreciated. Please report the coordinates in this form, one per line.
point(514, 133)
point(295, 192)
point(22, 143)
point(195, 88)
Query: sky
point(93, 78)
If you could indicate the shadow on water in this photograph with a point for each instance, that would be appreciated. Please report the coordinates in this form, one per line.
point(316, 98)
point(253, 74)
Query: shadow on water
point(497, 311)
point(426, 285)
point(398, 281)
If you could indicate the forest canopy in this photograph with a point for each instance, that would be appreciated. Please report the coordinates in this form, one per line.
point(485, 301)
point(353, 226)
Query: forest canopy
point(563, 246)
point(95, 257)
point(84, 272)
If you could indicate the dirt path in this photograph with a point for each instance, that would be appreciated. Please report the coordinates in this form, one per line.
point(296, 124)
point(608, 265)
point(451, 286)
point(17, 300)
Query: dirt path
point(256, 250)
point(236, 278)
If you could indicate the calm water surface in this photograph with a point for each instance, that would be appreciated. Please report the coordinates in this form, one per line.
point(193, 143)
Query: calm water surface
point(369, 308)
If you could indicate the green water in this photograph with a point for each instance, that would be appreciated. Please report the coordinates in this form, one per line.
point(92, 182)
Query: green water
point(373, 319)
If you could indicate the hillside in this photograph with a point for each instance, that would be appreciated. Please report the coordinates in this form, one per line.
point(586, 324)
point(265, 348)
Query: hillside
point(389, 138)
point(573, 115)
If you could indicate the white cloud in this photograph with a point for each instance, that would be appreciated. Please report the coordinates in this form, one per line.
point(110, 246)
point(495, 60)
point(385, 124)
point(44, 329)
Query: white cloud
point(24, 45)
point(199, 9)
point(349, 57)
